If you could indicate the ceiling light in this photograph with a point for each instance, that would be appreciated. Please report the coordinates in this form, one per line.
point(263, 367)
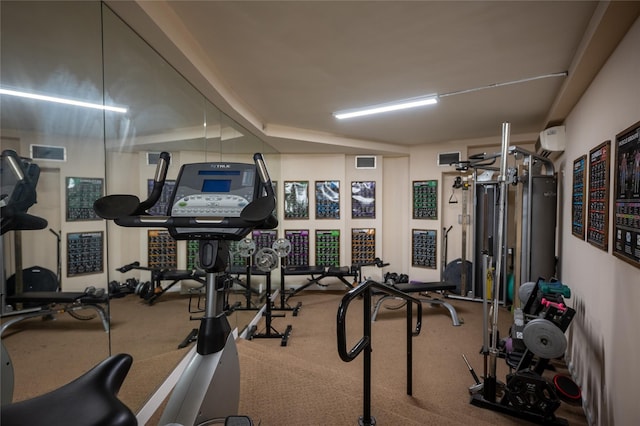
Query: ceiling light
point(390, 106)
point(61, 100)
point(431, 99)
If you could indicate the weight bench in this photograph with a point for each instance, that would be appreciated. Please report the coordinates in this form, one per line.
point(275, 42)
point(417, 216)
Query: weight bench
point(57, 302)
point(318, 273)
point(422, 287)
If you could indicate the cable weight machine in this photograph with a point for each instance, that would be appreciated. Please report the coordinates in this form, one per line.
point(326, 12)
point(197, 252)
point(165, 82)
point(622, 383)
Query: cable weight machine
point(526, 394)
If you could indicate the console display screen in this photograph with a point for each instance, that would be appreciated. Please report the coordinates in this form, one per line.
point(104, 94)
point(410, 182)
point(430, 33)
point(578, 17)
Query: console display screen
point(215, 186)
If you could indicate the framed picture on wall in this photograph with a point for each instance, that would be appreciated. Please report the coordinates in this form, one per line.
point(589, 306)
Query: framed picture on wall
point(578, 197)
point(598, 207)
point(627, 196)
point(296, 199)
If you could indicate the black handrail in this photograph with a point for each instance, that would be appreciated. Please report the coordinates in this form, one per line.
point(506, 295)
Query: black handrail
point(364, 344)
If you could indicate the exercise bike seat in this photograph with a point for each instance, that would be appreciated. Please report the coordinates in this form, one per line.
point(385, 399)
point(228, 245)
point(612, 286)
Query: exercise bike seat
point(90, 400)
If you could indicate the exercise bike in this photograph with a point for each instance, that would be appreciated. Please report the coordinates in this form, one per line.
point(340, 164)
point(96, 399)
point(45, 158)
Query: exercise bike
point(213, 203)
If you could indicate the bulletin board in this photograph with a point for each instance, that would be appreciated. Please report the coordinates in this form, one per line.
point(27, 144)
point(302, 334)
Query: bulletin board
point(598, 208)
point(363, 200)
point(296, 199)
point(328, 199)
point(627, 196)
point(81, 193)
point(425, 199)
point(578, 197)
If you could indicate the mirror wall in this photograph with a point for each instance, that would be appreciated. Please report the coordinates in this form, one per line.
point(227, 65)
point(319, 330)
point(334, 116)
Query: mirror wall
point(83, 51)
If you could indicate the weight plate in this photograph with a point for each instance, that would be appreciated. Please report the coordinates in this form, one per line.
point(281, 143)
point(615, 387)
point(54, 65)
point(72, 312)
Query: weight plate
point(282, 247)
point(246, 247)
point(266, 259)
point(528, 391)
point(525, 291)
point(544, 338)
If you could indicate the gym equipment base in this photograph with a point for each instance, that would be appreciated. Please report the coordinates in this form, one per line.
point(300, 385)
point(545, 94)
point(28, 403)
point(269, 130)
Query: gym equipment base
point(479, 401)
point(271, 333)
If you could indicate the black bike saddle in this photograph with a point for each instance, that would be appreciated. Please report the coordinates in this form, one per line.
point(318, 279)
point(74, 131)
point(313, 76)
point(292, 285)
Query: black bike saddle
point(89, 400)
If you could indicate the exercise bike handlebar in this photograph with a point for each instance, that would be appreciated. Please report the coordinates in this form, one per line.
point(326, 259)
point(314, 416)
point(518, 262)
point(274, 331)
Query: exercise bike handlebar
point(117, 206)
point(158, 183)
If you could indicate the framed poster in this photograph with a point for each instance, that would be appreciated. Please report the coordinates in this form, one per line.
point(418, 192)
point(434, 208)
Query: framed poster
point(598, 208)
point(296, 199)
point(578, 197)
point(84, 253)
point(81, 193)
point(328, 247)
point(328, 199)
point(363, 200)
point(161, 249)
point(425, 199)
point(161, 207)
point(299, 240)
point(627, 196)
point(193, 254)
point(363, 245)
point(423, 248)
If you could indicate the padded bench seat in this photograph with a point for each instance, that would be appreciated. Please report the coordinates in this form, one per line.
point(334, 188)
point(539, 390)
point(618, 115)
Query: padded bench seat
point(56, 302)
point(49, 297)
point(320, 272)
point(303, 270)
point(422, 287)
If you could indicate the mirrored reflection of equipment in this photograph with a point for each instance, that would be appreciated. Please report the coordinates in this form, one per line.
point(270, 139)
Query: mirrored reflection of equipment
point(213, 203)
point(34, 291)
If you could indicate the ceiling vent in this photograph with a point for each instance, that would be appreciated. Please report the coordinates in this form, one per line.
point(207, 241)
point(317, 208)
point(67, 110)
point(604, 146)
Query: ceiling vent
point(153, 158)
point(551, 142)
point(48, 152)
point(448, 158)
point(365, 162)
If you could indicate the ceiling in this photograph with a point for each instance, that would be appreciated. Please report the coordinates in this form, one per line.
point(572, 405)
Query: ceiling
point(282, 67)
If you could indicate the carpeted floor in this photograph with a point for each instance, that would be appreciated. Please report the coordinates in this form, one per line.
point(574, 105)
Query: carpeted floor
point(304, 382)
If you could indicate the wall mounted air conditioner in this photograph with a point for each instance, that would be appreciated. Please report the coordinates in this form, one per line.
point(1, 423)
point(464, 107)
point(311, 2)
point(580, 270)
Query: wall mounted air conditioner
point(551, 142)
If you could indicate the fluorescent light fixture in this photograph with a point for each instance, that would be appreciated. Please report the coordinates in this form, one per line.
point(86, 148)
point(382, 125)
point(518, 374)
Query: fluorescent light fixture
point(61, 100)
point(390, 106)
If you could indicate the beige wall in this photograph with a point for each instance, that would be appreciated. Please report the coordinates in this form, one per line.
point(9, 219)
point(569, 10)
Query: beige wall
point(604, 340)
